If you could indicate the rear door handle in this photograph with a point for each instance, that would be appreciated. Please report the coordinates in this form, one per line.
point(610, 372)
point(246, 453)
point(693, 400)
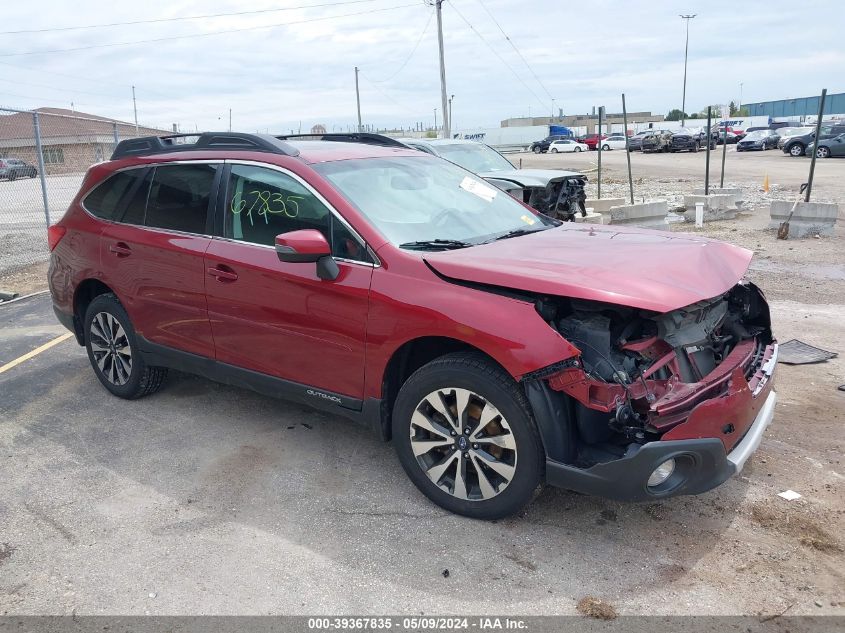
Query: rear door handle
point(120, 249)
point(223, 274)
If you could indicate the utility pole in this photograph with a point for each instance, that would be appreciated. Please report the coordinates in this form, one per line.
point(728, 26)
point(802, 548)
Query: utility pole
point(740, 96)
point(435, 120)
point(358, 100)
point(446, 130)
point(450, 113)
point(686, 54)
point(230, 119)
point(135, 108)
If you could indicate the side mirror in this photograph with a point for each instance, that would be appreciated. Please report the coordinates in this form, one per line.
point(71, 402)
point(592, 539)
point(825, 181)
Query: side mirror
point(308, 245)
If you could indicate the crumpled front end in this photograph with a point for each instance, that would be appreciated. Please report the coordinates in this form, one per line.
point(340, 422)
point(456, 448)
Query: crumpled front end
point(681, 389)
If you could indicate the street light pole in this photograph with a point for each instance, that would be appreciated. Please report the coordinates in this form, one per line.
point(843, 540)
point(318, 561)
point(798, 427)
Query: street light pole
point(443, 100)
point(435, 121)
point(740, 96)
point(686, 54)
point(358, 100)
point(451, 125)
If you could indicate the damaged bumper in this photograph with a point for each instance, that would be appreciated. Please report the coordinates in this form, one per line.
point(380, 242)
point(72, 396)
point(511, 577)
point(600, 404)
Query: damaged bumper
point(699, 462)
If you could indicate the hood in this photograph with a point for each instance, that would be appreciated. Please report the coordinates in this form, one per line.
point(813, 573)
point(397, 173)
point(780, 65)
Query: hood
point(651, 270)
point(530, 177)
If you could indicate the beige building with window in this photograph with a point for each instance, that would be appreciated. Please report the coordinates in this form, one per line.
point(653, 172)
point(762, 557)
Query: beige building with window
point(70, 141)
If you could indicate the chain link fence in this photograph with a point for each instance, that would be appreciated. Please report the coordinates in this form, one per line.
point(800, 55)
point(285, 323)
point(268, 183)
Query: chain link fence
point(43, 159)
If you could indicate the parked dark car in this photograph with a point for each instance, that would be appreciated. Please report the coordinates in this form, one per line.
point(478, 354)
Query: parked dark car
point(656, 141)
point(635, 143)
point(12, 169)
point(758, 140)
point(685, 140)
point(498, 348)
point(540, 147)
point(829, 147)
point(797, 145)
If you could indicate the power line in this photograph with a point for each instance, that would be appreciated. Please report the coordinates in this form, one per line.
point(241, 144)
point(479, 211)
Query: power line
point(181, 19)
point(510, 41)
point(198, 35)
point(411, 54)
point(496, 53)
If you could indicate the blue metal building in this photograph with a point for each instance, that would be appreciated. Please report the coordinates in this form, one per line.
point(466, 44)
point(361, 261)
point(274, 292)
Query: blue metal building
point(803, 106)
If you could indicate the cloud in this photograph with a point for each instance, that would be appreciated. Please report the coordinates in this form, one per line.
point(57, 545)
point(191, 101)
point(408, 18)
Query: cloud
point(275, 78)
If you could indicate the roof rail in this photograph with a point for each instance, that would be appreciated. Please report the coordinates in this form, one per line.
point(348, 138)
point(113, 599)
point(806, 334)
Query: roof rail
point(149, 145)
point(367, 138)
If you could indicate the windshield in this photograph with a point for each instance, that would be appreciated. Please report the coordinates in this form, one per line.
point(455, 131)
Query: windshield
point(475, 157)
point(788, 132)
point(756, 134)
point(414, 199)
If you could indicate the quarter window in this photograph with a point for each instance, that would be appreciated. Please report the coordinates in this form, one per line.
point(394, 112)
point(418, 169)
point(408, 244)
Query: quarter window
point(263, 203)
point(104, 199)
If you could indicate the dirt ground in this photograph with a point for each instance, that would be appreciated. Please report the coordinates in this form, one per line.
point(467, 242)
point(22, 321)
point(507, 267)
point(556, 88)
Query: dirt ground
point(206, 498)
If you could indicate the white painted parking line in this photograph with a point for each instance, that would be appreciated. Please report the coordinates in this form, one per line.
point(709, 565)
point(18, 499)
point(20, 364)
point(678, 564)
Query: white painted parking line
point(35, 352)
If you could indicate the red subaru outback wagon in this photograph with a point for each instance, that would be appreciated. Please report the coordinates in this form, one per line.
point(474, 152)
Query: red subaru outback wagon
point(496, 347)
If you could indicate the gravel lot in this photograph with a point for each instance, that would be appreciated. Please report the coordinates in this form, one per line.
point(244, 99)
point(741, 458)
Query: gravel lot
point(209, 499)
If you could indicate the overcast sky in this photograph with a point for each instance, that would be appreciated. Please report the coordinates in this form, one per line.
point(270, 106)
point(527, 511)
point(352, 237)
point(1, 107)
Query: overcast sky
point(298, 66)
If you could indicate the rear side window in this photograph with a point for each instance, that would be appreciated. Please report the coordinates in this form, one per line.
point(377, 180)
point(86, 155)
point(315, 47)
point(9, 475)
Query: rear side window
point(103, 201)
point(179, 197)
point(174, 197)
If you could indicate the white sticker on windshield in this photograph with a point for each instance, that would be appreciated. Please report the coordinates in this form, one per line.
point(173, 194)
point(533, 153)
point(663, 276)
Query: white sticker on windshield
point(485, 192)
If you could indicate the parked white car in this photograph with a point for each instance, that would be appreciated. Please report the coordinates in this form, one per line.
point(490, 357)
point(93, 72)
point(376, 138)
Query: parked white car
point(567, 145)
point(613, 142)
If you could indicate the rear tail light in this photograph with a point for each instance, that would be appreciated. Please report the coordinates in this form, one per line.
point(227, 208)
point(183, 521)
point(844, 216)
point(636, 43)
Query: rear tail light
point(54, 234)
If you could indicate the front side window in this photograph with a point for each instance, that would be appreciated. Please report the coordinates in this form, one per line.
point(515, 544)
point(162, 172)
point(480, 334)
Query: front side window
point(262, 203)
point(413, 199)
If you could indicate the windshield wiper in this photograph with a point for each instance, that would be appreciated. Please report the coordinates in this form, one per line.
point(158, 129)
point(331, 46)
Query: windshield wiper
point(435, 244)
point(516, 233)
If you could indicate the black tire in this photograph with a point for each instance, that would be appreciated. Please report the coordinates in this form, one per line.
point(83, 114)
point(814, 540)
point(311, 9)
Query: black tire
point(823, 152)
point(13, 175)
point(33, 173)
point(796, 149)
point(140, 380)
point(475, 373)
point(537, 149)
point(605, 148)
point(554, 150)
point(577, 149)
point(695, 148)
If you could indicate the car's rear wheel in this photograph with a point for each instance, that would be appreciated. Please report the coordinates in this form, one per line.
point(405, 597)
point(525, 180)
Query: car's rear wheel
point(605, 147)
point(537, 149)
point(465, 436)
point(13, 175)
point(577, 149)
point(823, 152)
point(796, 150)
point(554, 150)
point(113, 351)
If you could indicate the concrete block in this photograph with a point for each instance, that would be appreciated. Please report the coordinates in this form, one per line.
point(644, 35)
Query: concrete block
point(650, 215)
point(716, 207)
point(736, 192)
point(591, 217)
point(809, 219)
point(603, 205)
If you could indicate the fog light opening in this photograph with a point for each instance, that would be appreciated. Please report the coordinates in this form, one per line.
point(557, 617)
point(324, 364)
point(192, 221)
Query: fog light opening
point(661, 473)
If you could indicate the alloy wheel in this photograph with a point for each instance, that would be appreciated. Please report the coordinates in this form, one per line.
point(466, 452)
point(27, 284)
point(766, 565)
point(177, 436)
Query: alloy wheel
point(463, 444)
point(822, 152)
point(111, 349)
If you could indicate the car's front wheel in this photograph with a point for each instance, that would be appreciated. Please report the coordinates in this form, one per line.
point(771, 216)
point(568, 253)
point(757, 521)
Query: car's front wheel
point(554, 150)
point(537, 149)
point(605, 147)
point(465, 436)
point(577, 149)
point(113, 351)
point(823, 152)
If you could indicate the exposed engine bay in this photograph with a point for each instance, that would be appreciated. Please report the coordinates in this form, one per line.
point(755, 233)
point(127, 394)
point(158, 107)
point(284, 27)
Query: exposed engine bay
point(641, 373)
point(560, 199)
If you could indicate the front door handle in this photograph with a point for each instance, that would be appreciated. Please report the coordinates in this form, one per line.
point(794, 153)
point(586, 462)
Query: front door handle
point(223, 273)
point(120, 249)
